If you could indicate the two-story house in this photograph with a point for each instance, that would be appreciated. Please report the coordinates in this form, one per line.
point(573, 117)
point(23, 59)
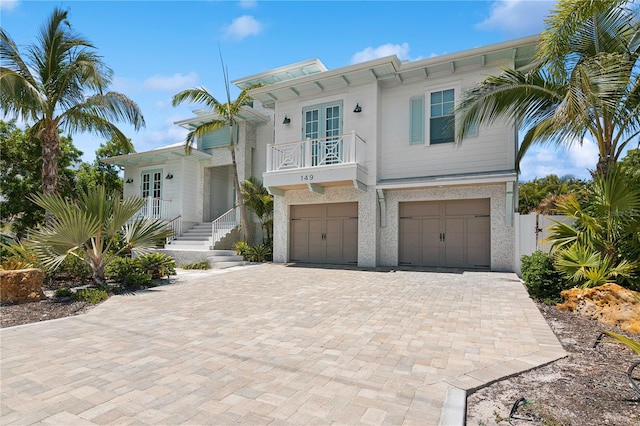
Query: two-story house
point(363, 164)
point(365, 169)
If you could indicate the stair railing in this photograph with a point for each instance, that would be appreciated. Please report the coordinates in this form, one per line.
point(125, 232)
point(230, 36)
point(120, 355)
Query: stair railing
point(224, 224)
point(175, 225)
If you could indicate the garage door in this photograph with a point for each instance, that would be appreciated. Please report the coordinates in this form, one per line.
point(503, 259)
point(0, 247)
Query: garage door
point(452, 233)
point(324, 233)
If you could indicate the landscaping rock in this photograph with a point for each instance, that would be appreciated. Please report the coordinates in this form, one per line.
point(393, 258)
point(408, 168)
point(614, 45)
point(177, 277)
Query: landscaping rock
point(608, 303)
point(22, 285)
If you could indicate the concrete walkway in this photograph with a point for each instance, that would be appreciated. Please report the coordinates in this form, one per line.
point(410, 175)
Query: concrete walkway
point(272, 344)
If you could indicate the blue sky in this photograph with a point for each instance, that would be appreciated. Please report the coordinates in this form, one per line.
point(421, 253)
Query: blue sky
point(158, 48)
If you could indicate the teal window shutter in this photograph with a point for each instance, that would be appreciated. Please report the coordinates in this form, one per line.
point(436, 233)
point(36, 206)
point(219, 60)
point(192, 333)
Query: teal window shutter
point(416, 121)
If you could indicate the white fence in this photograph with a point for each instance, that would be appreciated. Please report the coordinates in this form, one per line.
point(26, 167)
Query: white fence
point(532, 231)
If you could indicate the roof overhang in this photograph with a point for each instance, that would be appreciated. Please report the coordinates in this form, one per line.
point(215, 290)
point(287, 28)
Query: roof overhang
point(285, 73)
point(520, 52)
point(454, 180)
point(202, 116)
point(157, 156)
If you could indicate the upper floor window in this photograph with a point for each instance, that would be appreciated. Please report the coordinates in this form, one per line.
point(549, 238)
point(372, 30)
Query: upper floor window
point(442, 119)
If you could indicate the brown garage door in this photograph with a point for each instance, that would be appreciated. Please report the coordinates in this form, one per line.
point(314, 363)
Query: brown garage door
point(324, 233)
point(452, 233)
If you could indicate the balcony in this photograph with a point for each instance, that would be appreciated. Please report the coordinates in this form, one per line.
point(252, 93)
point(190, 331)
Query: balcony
point(155, 208)
point(316, 163)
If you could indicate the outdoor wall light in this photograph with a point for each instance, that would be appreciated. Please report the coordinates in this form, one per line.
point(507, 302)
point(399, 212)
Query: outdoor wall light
point(358, 108)
point(129, 180)
point(169, 176)
point(286, 120)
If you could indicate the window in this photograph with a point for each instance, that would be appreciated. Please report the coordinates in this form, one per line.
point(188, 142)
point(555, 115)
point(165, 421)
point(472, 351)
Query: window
point(442, 119)
point(416, 121)
point(323, 125)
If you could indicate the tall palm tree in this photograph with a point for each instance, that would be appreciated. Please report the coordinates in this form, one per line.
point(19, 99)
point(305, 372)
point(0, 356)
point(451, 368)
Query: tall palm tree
point(59, 86)
point(585, 81)
point(228, 113)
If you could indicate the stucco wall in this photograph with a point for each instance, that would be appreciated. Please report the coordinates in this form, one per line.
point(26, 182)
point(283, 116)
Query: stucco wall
point(367, 219)
point(502, 235)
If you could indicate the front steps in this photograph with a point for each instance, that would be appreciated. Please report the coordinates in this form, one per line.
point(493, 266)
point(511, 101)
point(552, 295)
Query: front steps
point(195, 244)
point(218, 259)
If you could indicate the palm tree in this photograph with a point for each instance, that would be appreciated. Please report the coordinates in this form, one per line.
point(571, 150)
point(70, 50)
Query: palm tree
point(585, 81)
point(602, 244)
point(59, 86)
point(96, 228)
point(228, 116)
point(257, 198)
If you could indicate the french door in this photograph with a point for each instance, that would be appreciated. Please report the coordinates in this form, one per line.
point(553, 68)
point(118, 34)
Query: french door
point(152, 192)
point(322, 124)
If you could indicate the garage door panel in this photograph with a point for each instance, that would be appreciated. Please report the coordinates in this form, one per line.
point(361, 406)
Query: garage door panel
point(431, 242)
point(325, 233)
point(467, 207)
point(342, 210)
point(409, 250)
point(306, 211)
point(420, 209)
point(454, 233)
point(479, 241)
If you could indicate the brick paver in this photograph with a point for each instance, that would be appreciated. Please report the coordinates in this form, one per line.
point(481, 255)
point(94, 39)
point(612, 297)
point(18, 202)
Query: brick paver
point(272, 344)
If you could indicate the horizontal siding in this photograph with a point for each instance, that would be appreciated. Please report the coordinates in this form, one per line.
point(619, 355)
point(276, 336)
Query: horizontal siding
point(492, 150)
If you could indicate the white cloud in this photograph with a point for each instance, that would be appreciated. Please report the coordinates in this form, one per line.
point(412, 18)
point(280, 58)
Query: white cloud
point(8, 5)
point(517, 17)
point(400, 50)
point(242, 27)
point(585, 155)
point(577, 160)
point(248, 4)
point(171, 83)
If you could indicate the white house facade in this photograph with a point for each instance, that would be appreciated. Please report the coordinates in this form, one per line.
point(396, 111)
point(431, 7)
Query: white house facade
point(365, 170)
point(362, 163)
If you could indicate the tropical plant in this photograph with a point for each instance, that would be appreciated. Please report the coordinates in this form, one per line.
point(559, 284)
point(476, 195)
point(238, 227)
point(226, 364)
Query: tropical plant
point(99, 173)
point(603, 242)
point(60, 85)
point(258, 253)
point(540, 277)
point(227, 114)
point(543, 194)
point(21, 175)
point(585, 82)
point(257, 199)
point(632, 344)
point(91, 226)
point(203, 264)
point(157, 265)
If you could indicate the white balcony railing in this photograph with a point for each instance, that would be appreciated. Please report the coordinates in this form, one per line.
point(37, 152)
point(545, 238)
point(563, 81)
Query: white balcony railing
point(155, 208)
point(341, 149)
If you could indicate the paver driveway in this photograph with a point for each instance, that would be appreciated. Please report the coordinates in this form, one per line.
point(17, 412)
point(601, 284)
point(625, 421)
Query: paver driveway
point(273, 344)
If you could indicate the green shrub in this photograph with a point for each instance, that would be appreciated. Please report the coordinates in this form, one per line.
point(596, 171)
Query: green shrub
point(541, 279)
point(158, 265)
point(63, 292)
point(242, 249)
point(129, 273)
point(91, 295)
point(74, 268)
point(259, 253)
point(120, 267)
point(136, 280)
point(203, 264)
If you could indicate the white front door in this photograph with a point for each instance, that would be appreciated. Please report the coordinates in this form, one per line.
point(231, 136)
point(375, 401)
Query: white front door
point(152, 192)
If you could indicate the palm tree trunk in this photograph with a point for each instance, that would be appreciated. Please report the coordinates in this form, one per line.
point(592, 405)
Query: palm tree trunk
point(50, 143)
point(244, 217)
